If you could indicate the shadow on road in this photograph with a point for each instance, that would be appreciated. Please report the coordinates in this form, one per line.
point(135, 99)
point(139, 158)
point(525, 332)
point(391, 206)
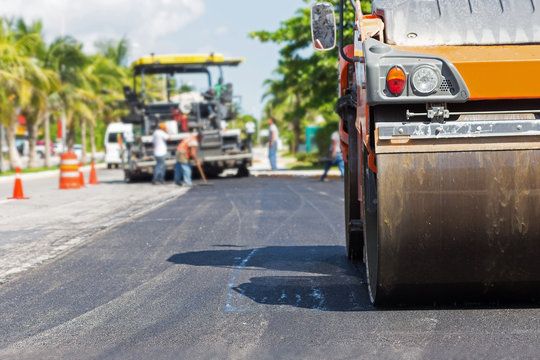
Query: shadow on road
point(326, 280)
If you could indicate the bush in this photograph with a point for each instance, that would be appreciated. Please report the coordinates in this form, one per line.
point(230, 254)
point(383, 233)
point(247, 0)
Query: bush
point(312, 157)
point(322, 137)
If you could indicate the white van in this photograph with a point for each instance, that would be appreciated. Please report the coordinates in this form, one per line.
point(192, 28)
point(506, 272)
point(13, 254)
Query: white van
point(114, 131)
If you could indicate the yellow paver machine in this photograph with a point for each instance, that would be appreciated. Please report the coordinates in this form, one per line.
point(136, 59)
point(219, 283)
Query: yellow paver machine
point(440, 126)
point(162, 92)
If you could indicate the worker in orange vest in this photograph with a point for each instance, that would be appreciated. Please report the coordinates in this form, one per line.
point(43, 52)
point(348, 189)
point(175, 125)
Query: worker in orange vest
point(185, 151)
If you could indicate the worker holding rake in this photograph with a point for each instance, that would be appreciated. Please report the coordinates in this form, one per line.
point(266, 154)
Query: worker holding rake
point(186, 150)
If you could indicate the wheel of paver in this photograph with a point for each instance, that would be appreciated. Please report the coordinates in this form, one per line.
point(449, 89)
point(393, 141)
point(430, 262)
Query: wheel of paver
point(127, 177)
point(353, 226)
point(243, 171)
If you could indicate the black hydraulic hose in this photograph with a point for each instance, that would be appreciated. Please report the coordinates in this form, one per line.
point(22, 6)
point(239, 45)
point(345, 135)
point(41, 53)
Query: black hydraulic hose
point(343, 55)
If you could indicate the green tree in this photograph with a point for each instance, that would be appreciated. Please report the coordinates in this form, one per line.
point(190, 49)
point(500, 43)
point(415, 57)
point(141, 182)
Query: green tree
point(240, 121)
point(112, 74)
point(304, 85)
point(18, 75)
point(40, 81)
point(114, 50)
point(44, 84)
point(105, 80)
point(65, 56)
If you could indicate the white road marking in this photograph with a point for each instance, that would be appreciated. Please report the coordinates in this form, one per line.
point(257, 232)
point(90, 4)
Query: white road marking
point(237, 269)
point(317, 294)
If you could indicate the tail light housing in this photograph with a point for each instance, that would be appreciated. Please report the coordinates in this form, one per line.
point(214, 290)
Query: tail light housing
point(396, 80)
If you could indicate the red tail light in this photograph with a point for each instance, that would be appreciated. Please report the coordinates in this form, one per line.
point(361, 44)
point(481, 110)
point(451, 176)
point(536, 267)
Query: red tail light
point(396, 80)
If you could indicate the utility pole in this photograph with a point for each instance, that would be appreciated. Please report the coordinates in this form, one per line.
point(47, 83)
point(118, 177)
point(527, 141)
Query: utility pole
point(64, 135)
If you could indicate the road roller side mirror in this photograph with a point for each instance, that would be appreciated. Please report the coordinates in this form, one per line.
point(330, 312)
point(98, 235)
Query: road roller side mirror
point(323, 26)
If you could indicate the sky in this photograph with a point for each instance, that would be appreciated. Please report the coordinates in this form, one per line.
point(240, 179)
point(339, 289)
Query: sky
point(172, 27)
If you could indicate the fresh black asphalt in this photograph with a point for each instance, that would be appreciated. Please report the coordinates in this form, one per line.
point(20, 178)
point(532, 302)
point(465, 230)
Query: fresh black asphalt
point(251, 268)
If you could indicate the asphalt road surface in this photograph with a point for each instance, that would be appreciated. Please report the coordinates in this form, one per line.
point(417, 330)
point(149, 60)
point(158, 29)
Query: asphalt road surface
point(53, 221)
point(251, 268)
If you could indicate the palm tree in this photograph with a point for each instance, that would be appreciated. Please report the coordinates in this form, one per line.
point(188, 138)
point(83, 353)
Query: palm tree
point(91, 85)
point(17, 71)
point(114, 50)
point(65, 56)
point(107, 77)
point(85, 105)
point(45, 84)
point(287, 102)
point(38, 108)
point(55, 109)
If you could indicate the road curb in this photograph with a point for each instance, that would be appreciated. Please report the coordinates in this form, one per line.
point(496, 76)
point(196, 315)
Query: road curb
point(289, 175)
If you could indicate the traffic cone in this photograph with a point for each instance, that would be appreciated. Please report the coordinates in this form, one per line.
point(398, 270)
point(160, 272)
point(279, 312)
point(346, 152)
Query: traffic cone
point(93, 175)
point(18, 190)
point(69, 171)
point(81, 175)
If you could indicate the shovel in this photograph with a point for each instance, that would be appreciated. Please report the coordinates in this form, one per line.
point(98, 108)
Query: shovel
point(202, 172)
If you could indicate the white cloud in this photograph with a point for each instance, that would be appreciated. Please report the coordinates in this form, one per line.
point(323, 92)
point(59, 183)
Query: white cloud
point(141, 21)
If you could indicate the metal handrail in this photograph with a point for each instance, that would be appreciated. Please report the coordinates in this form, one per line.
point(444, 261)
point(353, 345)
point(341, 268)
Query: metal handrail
point(343, 55)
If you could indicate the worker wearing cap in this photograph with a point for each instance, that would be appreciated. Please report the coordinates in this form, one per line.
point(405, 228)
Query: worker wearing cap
point(159, 140)
point(186, 150)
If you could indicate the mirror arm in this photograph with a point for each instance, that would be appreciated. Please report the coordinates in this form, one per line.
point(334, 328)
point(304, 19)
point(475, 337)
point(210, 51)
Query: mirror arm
point(343, 55)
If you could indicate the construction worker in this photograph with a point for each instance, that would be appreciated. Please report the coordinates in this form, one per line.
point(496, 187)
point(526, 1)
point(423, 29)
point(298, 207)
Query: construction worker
point(186, 150)
point(159, 140)
point(273, 135)
point(334, 156)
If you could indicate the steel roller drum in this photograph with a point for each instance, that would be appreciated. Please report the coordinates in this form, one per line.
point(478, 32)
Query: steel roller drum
point(456, 219)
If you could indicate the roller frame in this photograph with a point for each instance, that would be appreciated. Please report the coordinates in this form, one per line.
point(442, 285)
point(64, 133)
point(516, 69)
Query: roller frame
point(456, 216)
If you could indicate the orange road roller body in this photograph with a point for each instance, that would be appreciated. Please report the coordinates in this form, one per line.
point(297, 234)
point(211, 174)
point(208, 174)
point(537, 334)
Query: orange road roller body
point(440, 121)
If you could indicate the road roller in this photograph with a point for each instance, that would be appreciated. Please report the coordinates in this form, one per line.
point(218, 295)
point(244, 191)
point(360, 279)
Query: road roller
point(439, 105)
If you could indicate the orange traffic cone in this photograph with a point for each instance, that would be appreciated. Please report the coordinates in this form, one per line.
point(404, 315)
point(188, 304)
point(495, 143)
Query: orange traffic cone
point(18, 190)
point(93, 175)
point(81, 175)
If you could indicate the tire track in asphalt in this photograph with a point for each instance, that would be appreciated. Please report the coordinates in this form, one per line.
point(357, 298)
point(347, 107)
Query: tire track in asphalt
point(353, 294)
point(316, 294)
point(230, 296)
